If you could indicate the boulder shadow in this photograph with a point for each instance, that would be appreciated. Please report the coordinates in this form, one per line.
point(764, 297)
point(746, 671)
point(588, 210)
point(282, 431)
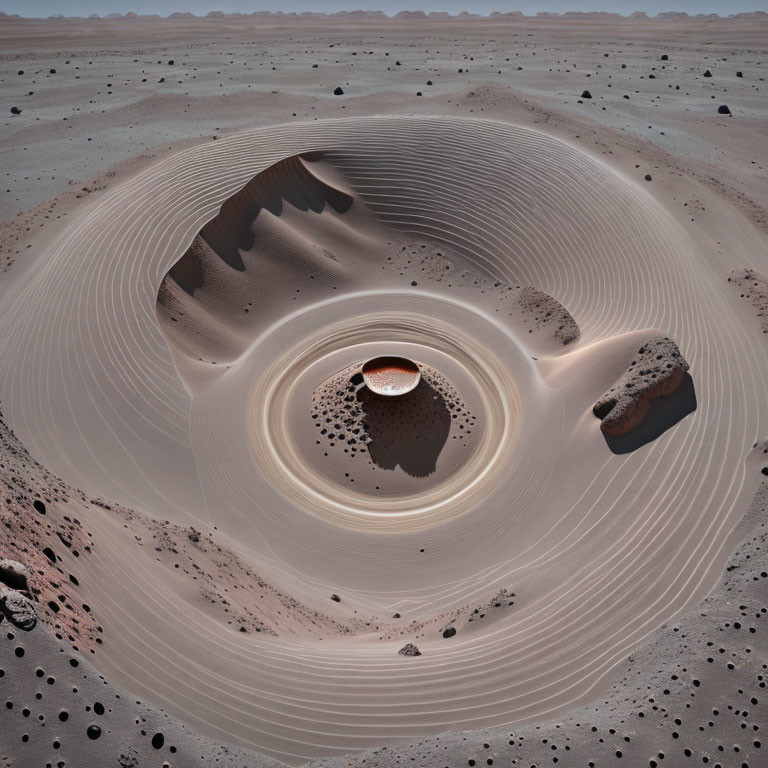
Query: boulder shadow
point(408, 431)
point(665, 412)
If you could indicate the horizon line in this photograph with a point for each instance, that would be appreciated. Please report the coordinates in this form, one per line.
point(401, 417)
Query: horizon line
point(213, 14)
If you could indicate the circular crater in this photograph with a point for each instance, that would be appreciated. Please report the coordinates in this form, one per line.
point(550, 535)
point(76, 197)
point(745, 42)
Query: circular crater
point(419, 459)
point(167, 355)
point(371, 436)
point(390, 375)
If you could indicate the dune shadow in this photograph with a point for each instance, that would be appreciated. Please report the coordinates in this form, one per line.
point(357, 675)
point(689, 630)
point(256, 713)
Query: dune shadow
point(287, 182)
point(665, 412)
point(408, 431)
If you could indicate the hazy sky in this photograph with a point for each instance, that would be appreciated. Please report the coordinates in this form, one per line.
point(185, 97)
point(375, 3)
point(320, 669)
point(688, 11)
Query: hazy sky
point(164, 7)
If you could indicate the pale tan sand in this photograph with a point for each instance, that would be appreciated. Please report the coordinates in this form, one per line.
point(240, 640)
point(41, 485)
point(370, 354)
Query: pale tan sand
point(165, 395)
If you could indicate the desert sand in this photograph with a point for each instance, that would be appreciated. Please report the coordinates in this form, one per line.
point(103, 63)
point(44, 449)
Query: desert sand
point(552, 549)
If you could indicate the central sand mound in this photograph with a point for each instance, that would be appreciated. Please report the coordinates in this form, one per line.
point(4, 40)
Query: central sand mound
point(167, 353)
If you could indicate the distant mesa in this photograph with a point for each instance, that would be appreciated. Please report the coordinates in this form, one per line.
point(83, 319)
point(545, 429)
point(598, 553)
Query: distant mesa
point(658, 370)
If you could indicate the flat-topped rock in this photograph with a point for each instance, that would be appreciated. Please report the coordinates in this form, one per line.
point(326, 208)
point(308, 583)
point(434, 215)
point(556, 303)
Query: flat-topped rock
point(657, 371)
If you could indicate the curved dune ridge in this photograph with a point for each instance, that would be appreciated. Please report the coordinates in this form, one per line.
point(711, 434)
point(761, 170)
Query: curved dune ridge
point(166, 355)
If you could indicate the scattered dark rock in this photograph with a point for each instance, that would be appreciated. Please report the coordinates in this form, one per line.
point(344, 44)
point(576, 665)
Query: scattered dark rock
point(543, 311)
point(15, 111)
point(754, 288)
point(648, 177)
point(739, 74)
point(50, 554)
point(723, 110)
point(586, 95)
point(664, 57)
point(449, 632)
point(409, 649)
point(707, 74)
point(39, 506)
point(335, 598)
point(338, 91)
point(93, 731)
point(128, 759)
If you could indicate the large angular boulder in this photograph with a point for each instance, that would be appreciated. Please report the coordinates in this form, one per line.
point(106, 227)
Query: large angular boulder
point(657, 371)
point(18, 609)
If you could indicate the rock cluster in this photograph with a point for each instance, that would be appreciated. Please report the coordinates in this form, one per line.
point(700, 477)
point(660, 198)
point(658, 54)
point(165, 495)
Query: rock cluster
point(754, 288)
point(544, 311)
point(14, 604)
point(657, 371)
point(409, 649)
point(18, 609)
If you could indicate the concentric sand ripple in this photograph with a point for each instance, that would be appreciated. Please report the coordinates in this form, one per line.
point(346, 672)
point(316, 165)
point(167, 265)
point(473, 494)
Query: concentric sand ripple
point(599, 548)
